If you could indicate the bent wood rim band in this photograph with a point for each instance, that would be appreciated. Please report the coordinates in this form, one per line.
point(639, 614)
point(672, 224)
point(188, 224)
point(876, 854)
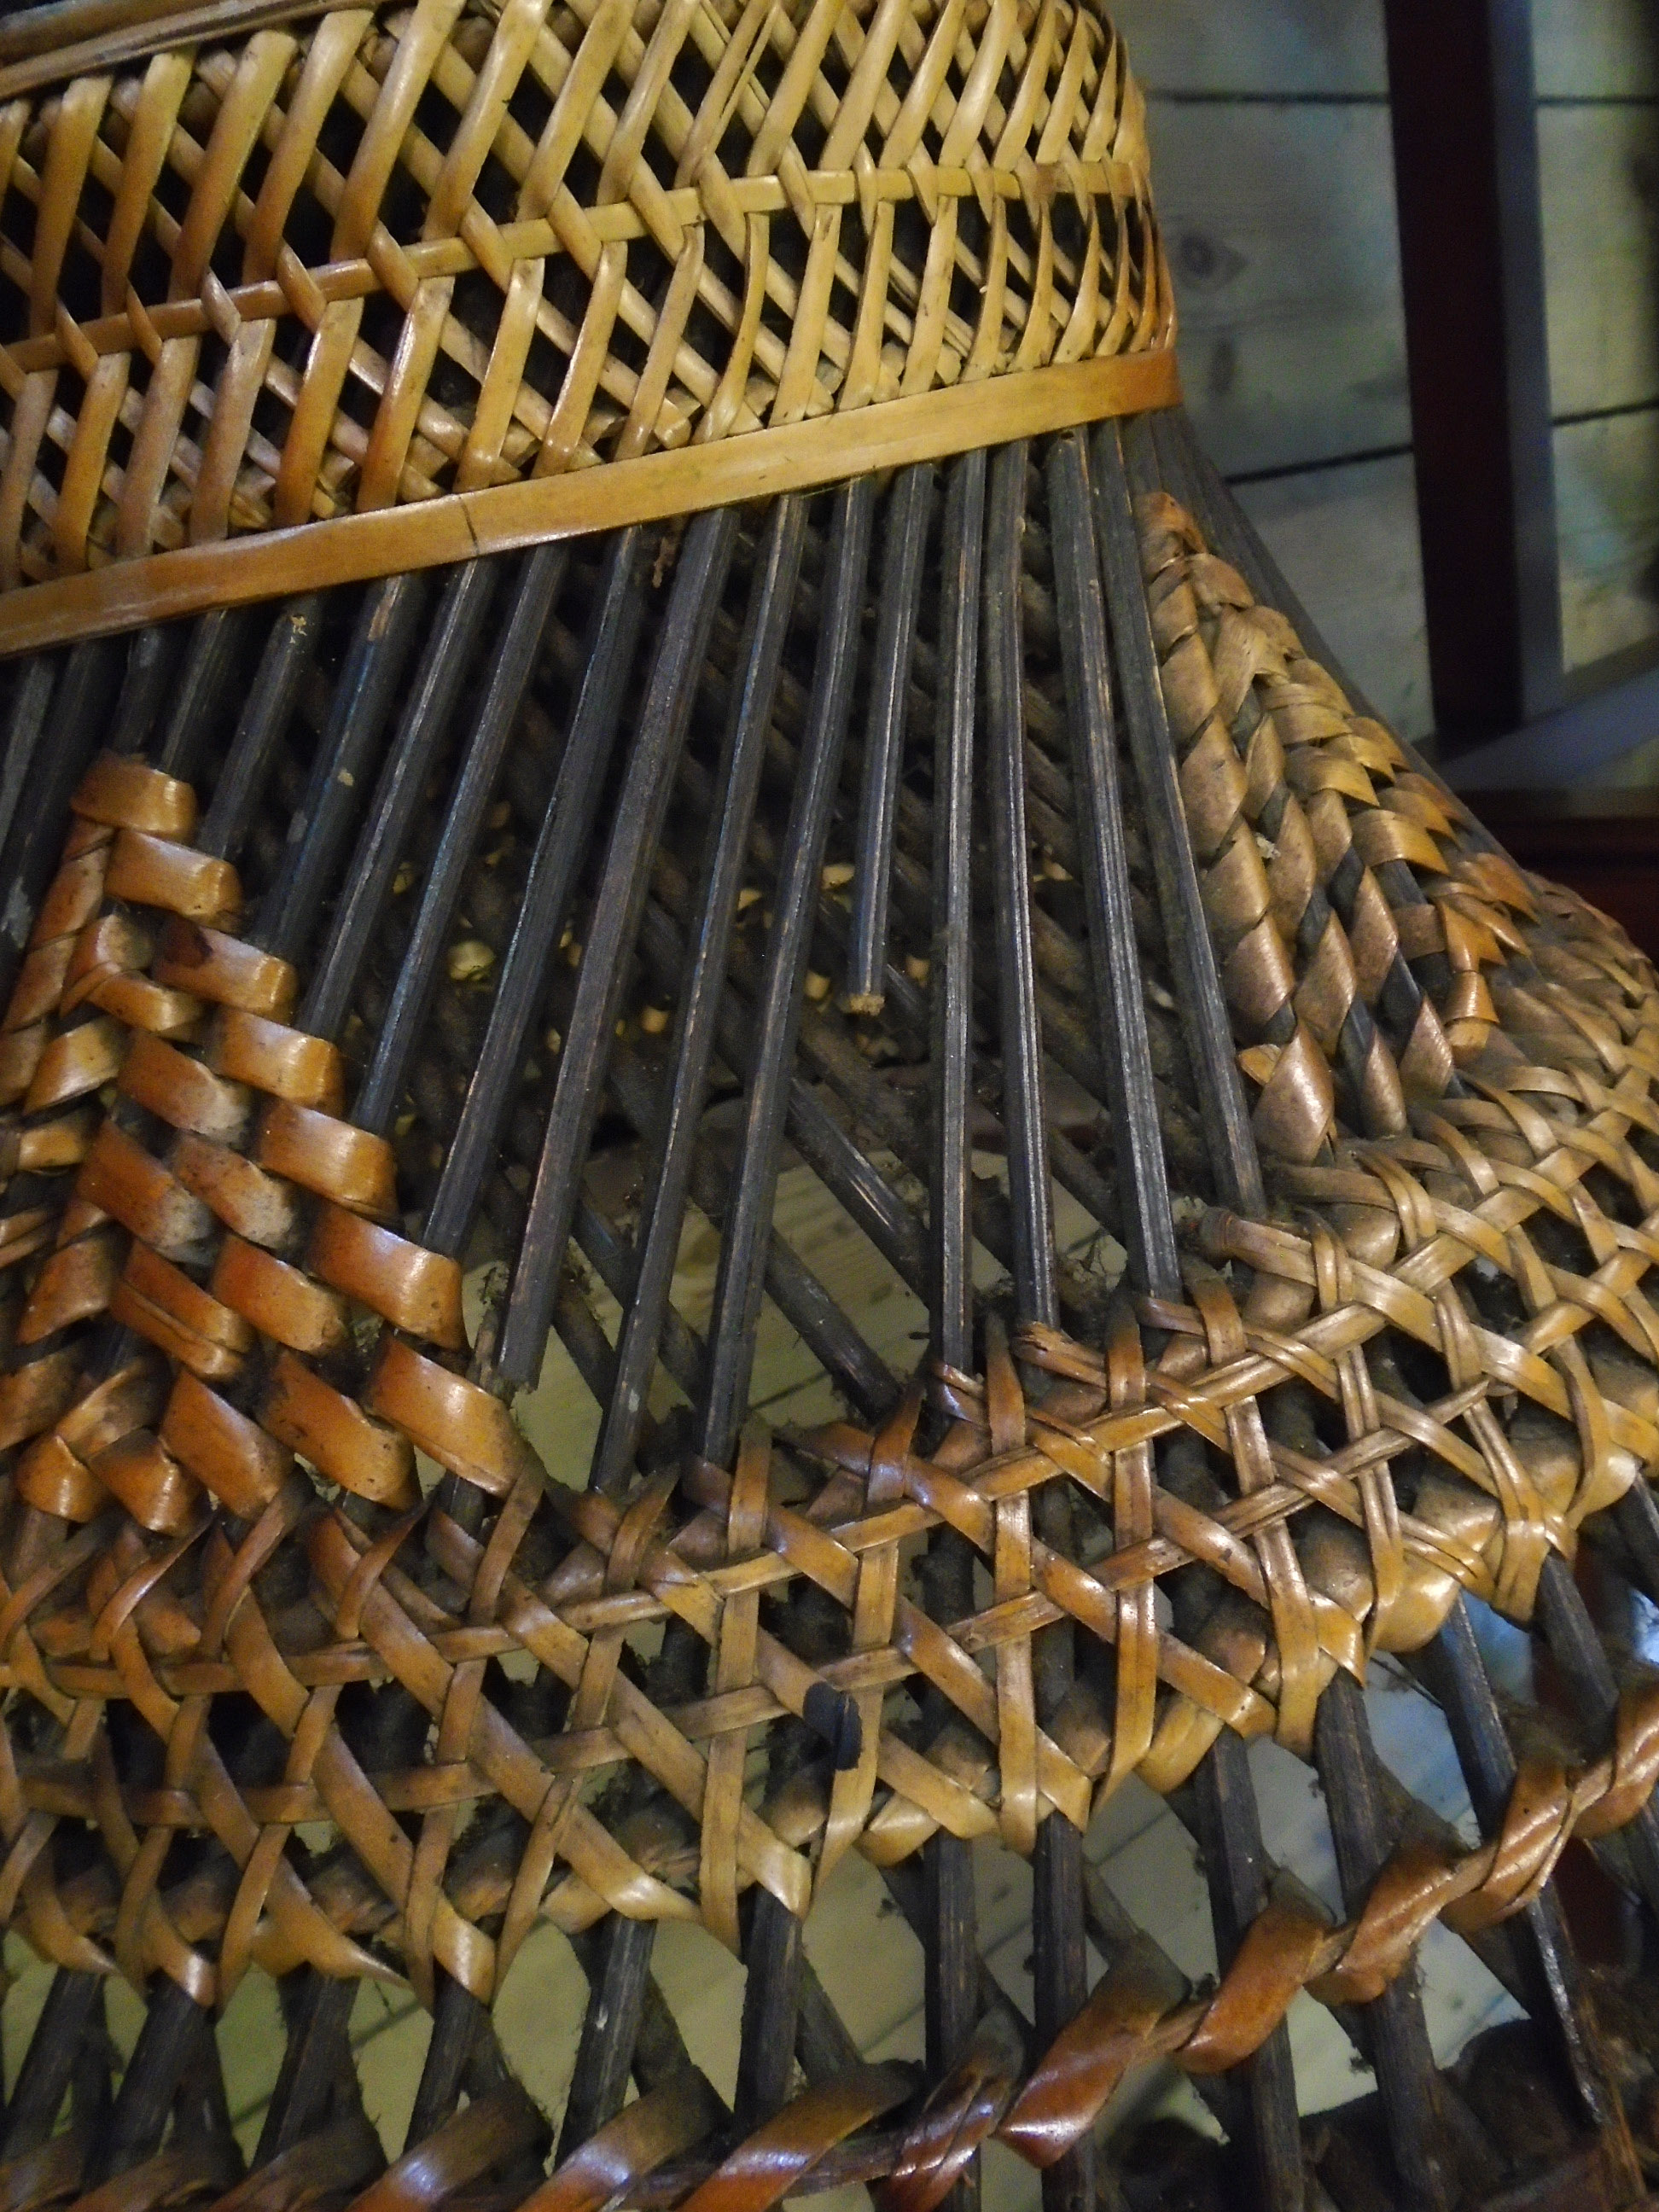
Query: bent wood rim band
point(46, 44)
point(504, 518)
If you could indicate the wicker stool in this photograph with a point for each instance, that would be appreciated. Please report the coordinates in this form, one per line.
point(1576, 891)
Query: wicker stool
point(685, 639)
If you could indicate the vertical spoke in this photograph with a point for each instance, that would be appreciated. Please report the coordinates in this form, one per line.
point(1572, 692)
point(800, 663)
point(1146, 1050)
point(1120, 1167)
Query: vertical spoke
point(613, 927)
point(169, 2043)
point(458, 2021)
point(72, 2015)
point(25, 723)
point(1223, 1797)
point(288, 652)
point(1400, 2051)
point(1203, 1009)
point(760, 659)
point(771, 2001)
point(444, 666)
point(1113, 955)
point(385, 637)
point(153, 664)
point(1060, 1970)
point(1457, 1675)
point(512, 665)
point(559, 850)
point(619, 1957)
point(952, 968)
point(744, 1239)
point(1579, 1653)
point(34, 841)
point(1024, 1121)
point(216, 647)
point(883, 736)
point(950, 1926)
point(317, 2055)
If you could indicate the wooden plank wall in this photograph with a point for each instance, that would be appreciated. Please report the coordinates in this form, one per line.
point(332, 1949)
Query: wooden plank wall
point(1598, 126)
point(1274, 176)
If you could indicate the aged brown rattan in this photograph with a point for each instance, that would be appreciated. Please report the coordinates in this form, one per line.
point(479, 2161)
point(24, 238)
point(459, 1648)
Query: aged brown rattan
point(979, 838)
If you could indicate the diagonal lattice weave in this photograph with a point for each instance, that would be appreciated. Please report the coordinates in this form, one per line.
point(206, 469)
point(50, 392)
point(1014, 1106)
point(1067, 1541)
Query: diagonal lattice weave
point(1378, 1332)
point(402, 251)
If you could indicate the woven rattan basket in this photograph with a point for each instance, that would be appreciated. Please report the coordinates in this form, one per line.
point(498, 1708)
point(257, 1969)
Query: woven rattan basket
point(774, 693)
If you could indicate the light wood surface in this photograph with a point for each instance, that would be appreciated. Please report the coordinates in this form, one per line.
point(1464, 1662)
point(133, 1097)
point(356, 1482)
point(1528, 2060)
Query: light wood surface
point(1278, 224)
point(1275, 183)
point(1609, 49)
point(1277, 47)
point(654, 487)
point(293, 272)
point(1352, 533)
point(1606, 488)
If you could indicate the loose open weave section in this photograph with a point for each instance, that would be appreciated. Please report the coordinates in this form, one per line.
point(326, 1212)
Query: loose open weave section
point(393, 253)
point(1494, 1233)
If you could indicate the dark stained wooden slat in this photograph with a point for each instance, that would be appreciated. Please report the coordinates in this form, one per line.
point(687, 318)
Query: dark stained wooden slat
point(774, 1955)
point(612, 928)
point(387, 634)
point(1059, 1972)
point(618, 1960)
point(172, 2040)
point(663, 1210)
point(444, 666)
point(284, 662)
point(1223, 1793)
point(950, 966)
point(217, 646)
point(1399, 2035)
point(850, 1174)
point(313, 2059)
point(1203, 1010)
point(1456, 1675)
point(744, 1242)
point(1114, 958)
point(952, 1968)
point(153, 660)
point(512, 665)
point(1471, 254)
point(906, 526)
point(793, 1288)
point(458, 2022)
point(72, 2015)
point(561, 849)
point(1024, 1116)
point(1581, 1657)
point(34, 841)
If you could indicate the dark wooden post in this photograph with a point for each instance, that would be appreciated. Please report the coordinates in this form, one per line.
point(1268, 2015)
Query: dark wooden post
point(1466, 173)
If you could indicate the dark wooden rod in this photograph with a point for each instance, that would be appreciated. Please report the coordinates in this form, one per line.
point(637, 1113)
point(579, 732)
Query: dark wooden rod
point(612, 930)
point(1456, 1675)
point(512, 666)
point(444, 666)
point(561, 849)
point(905, 525)
point(744, 1239)
point(1472, 270)
point(289, 650)
point(386, 633)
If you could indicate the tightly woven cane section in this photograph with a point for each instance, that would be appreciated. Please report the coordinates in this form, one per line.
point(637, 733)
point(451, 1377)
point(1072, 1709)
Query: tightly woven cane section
point(403, 252)
point(168, 1605)
point(1419, 1375)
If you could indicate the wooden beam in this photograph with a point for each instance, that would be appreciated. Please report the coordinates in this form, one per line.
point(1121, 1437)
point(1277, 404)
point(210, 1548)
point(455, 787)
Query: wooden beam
point(1575, 745)
point(1466, 169)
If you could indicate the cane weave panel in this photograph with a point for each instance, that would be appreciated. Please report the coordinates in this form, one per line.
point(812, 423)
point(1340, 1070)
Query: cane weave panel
point(398, 253)
point(1419, 1376)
